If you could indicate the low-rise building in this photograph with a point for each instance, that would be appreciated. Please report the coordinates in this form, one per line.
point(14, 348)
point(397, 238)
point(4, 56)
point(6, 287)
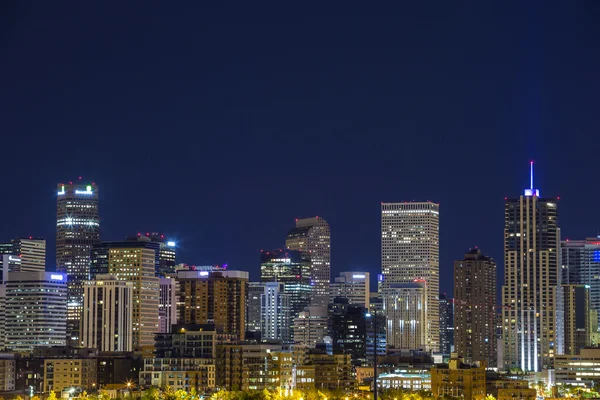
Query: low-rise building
point(7, 374)
point(179, 373)
point(405, 381)
point(510, 389)
point(333, 372)
point(65, 374)
point(578, 369)
point(458, 379)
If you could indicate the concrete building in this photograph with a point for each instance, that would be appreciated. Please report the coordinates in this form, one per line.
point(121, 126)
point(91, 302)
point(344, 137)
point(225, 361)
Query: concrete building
point(275, 314)
point(77, 230)
point(532, 309)
point(165, 251)
point(458, 379)
point(29, 254)
point(133, 262)
point(29, 325)
point(107, 322)
point(65, 374)
point(7, 374)
point(409, 252)
point(581, 369)
point(167, 304)
point(214, 298)
point(446, 324)
point(333, 372)
point(253, 310)
point(311, 326)
point(405, 309)
point(475, 308)
point(577, 317)
point(187, 340)
point(353, 286)
point(179, 374)
point(312, 237)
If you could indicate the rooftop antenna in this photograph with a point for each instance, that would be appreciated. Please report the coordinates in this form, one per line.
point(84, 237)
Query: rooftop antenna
point(531, 175)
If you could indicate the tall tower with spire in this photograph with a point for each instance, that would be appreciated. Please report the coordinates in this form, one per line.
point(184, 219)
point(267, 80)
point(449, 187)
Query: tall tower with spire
point(531, 316)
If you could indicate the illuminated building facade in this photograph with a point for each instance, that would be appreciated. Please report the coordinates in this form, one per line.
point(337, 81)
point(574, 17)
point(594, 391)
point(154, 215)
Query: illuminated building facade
point(404, 306)
point(167, 305)
point(410, 250)
point(28, 254)
point(531, 310)
point(475, 308)
point(446, 324)
point(107, 320)
point(291, 268)
point(353, 286)
point(165, 251)
point(134, 262)
point(30, 325)
point(275, 315)
point(312, 237)
point(253, 310)
point(77, 230)
point(577, 317)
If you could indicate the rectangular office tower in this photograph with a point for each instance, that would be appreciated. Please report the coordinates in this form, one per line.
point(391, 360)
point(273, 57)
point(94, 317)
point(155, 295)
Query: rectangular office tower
point(404, 306)
point(475, 308)
point(28, 254)
point(353, 286)
point(36, 310)
point(577, 318)
point(107, 321)
point(77, 230)
point(312, 237)
point(530, 296)
point(410, 250)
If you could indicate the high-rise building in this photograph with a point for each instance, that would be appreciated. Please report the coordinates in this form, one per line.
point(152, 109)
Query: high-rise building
point(133, 262)
point(531, 305)
point(581, 266)
point(167, 304)
point(446, 324)
point(312, 237)
point(405, 308)
point(217, 298)
point(291, 268)
point(577, 317)
point(107, 320)
point(410, 248)
point(275, 313)
point(77, 230)
point(36, 310)
point(28, 254)
point(165, 254)
point(311, 326)
point(475, 307)
point(253, 310)
point(348, 329)
point(353, 286)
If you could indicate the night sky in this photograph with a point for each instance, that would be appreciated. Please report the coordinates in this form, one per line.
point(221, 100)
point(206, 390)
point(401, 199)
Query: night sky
point(219, 125)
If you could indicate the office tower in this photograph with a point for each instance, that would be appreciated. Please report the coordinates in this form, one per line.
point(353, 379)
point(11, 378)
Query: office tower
point(291, 268)
point(446, 324)
point(107, 319)
point(353, 286)
point(275, 313)
point(475, 307)
point(410, 250)
point(311, 326)
point(375, 303)
point(404, 306)
point(30, 325)
point(165, 251)
point(532, 335)
point(133, 262)
point(167, 304)
point(31, 252)
point(214, 298)
point(311, 236)
point(577, 317)
point(581, 266)
point(77, 230)
point(376, 335)
point(348, 329)
point(253, 310)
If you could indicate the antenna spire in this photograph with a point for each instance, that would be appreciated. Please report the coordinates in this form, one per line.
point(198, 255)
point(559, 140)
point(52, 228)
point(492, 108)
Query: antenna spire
point(531, 175)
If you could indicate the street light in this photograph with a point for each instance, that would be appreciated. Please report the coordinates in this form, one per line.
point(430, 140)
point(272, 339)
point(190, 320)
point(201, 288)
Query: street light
point(374, 315)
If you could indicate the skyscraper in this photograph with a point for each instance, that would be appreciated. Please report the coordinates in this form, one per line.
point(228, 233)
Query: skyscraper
point(446, 324)
point(353, 286)
point(312, 237)
point(107, 319)
point(36, 310)
point(531, 310)
point(475, 308)
point(410, 250)
point(31, 252)
point(291, 268)
point(581, 266)
point(348, 329)
point(134, 262)
point(577, 317)
point(77, 230)
point(165, 251)
point(275, 315)
point(404, 306)
point(167, 305)
point(253, 311)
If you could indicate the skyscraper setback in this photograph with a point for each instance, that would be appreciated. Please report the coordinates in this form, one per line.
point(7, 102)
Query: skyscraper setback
point(77, 230)
point(312, 237)
point(531, 310)
point(410, 251)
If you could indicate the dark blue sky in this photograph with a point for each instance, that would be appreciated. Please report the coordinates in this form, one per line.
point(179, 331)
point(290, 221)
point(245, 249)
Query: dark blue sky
point(220, 125)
